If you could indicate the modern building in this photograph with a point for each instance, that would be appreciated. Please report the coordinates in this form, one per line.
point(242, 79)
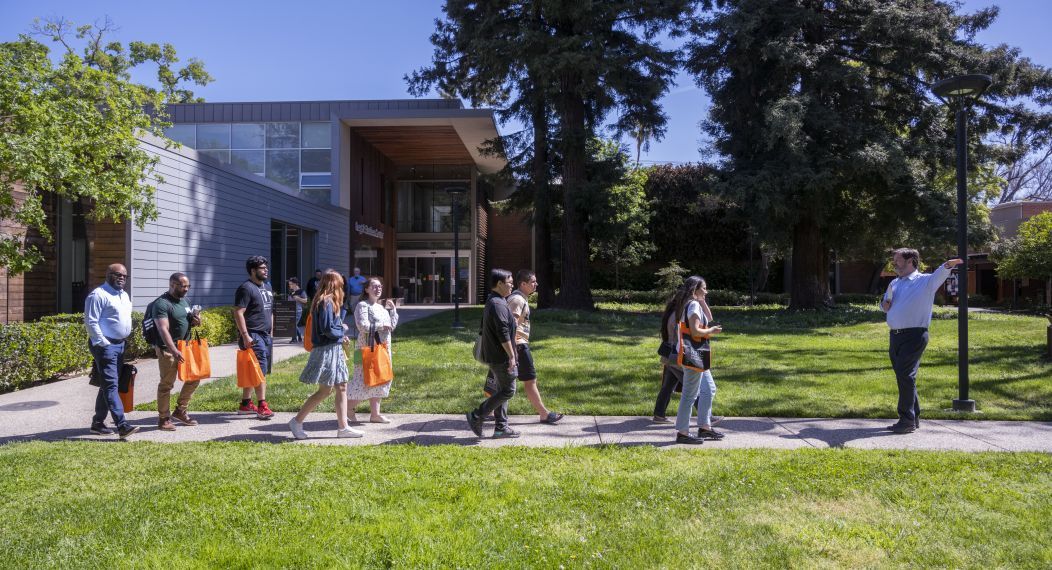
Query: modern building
point(312, 184)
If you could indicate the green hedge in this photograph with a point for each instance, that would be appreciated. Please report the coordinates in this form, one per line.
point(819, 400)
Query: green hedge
point(58, 344)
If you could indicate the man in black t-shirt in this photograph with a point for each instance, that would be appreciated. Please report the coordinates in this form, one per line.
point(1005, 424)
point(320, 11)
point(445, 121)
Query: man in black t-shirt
point(312, 284)
point(254, 317)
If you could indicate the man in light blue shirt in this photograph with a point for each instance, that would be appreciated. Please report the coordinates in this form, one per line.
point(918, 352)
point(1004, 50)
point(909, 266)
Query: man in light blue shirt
point(107, 316)
point(908, 304)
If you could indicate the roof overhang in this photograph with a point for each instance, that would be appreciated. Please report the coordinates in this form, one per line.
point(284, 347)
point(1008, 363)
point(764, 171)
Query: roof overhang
point(436, 136)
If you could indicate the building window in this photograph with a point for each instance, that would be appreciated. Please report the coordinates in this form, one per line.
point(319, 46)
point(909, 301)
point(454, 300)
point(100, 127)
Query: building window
point(370, 260)
point(295, 155)
point(292, 254)
point(426, 207)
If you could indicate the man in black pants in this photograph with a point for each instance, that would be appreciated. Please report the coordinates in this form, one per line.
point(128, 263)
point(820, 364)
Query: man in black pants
point(498, 350)
point(908, 303)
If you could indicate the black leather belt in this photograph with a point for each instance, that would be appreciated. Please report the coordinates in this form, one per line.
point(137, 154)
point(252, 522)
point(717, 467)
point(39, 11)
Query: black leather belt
point(900, 331)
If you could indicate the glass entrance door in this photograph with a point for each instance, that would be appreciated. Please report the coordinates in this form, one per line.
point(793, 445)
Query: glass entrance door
point(427, 277)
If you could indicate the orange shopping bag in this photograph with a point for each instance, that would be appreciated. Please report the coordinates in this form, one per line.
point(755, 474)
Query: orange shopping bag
point(376, 365)
point(249, 374)
point(196, 364)
point(308, 344)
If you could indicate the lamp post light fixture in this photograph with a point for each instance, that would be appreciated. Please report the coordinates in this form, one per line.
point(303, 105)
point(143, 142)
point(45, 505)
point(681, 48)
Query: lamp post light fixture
point(960, 92)
point(455, 193)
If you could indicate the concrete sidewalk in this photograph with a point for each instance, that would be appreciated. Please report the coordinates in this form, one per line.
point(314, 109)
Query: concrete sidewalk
point(62, 411)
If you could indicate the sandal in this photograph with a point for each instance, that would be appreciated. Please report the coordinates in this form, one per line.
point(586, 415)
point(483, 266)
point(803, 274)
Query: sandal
point(553, 418)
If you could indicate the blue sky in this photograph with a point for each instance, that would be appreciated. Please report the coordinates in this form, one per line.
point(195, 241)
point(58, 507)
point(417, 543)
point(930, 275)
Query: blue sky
point(360, 49)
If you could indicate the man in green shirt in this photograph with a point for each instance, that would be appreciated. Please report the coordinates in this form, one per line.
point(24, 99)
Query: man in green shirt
point(173, 319)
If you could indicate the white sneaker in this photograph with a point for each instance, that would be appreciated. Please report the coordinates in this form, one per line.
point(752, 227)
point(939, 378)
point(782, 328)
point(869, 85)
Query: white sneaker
point(297, 429)
point(349, 432)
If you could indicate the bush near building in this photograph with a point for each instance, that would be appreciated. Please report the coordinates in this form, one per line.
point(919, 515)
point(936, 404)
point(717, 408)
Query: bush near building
point(58, 344)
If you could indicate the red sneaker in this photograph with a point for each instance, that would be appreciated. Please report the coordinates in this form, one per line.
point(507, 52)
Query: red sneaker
point(248, 409)
point(264, 412)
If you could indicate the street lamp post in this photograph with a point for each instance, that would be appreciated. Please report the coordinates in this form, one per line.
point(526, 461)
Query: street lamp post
point(960, 92)
point(455, 192)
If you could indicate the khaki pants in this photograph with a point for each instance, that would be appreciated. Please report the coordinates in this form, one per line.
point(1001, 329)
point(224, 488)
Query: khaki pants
point(169, 370)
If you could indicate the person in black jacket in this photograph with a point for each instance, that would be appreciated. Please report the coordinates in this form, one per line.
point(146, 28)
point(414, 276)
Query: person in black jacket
point(498, 350)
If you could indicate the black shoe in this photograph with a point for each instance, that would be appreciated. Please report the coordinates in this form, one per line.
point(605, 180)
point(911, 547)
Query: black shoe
point(127, 430)
point(475, 423)
point(506, 433)
point(100, 429)
point(688, 439)
point(709, 434)
point(903, 428)
point(489, 418)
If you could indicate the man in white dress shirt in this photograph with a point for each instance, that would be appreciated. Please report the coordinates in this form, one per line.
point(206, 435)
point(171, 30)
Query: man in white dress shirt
point(908, 304)
point(107, 316)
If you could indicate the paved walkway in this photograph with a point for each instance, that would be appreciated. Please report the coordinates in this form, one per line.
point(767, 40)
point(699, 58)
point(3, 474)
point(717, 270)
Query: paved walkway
point(62, 410)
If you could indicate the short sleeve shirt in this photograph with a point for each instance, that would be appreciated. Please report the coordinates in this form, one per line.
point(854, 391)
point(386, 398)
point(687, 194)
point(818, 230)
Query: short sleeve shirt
point(356, 284)
point(694, 308)
point(177, 311)
point(521, 309)
point(258, 302)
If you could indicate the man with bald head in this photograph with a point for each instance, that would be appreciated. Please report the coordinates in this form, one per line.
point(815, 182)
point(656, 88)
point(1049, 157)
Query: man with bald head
point(107, 316)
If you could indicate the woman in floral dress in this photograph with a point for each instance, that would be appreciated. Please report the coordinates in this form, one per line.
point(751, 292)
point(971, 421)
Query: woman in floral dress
point(370, 315)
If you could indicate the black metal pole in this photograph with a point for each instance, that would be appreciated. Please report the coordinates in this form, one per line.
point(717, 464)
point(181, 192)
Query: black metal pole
point(962, 404)
point(456, 263)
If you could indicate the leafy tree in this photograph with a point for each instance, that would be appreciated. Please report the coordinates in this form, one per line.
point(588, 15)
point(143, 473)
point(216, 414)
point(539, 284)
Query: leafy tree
point(1029, 254)
point(70, 128)
point(574, 62)
point(619, 215)
point(823, 113)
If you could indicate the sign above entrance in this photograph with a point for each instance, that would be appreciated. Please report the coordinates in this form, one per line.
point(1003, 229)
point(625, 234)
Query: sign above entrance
point(368, 230)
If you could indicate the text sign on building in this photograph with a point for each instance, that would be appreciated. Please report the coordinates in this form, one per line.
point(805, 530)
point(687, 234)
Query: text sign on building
point(368, 230)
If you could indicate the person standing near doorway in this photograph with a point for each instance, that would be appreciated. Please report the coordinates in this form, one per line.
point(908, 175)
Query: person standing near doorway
point(107, 316)
point(254, 318)
point(299, 296)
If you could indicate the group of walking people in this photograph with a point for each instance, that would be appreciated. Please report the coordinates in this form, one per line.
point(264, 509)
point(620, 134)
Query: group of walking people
point(503, 345)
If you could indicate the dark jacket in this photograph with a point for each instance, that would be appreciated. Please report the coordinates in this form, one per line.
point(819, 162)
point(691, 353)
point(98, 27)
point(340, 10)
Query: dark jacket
point(498, 327)
point(326, 327)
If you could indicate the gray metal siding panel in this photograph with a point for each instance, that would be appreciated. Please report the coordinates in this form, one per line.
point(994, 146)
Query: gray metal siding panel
point(210, 220)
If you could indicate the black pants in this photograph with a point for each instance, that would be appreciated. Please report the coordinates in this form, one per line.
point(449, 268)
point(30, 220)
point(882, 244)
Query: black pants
point(905, 349)
point(670, 377)
point(497, 404)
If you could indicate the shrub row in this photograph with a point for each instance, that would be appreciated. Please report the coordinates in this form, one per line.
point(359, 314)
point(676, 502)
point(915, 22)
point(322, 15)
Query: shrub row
point(58, 344)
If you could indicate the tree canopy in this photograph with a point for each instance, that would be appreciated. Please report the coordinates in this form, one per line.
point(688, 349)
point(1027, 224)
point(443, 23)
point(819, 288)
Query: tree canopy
point(71, 128)
point(823, 114)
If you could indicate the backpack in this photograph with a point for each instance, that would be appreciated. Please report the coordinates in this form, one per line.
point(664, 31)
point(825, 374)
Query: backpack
point(149, 327)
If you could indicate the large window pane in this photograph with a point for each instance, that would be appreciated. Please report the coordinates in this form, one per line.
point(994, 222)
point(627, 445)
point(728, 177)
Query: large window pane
point(317, 135)
point(315, 180)
point(247, 135)
point(223, 156)
point(185, 135)
point(317, 195)
point(250, 160)
point(213, 136)
point(283, 167)
point(317, 161)
point(283, 135)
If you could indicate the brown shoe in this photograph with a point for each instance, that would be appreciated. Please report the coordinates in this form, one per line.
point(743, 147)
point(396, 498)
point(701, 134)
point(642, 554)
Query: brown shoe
point(165, 424)
point(184, 418)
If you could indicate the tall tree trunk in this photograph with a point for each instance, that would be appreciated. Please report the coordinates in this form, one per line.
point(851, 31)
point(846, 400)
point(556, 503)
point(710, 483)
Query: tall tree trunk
point(810, 278)
point(542, 210)
point(574, 291)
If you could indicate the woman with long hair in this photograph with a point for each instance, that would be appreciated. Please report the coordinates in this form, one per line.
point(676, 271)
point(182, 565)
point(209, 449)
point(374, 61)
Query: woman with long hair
point(698, 386)
point(371, 317)
point(327, 365)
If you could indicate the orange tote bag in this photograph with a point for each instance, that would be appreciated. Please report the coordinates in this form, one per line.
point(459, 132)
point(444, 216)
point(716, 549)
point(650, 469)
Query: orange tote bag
point(196, 364)
point(249, 374)
point(308, 344)
point(376, 365)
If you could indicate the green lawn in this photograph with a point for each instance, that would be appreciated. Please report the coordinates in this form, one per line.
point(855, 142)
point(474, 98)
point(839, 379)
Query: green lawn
point(239, 505)
point(769, 363)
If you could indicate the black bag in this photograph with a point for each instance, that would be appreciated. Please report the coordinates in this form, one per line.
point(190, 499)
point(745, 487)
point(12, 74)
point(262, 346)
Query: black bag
point(126, 379)
point(149, 327)
point(694, 354)
point(664, 349)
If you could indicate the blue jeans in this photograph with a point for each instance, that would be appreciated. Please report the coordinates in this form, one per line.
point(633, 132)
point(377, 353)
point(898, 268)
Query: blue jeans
point(108, 364)
point(700, 388)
